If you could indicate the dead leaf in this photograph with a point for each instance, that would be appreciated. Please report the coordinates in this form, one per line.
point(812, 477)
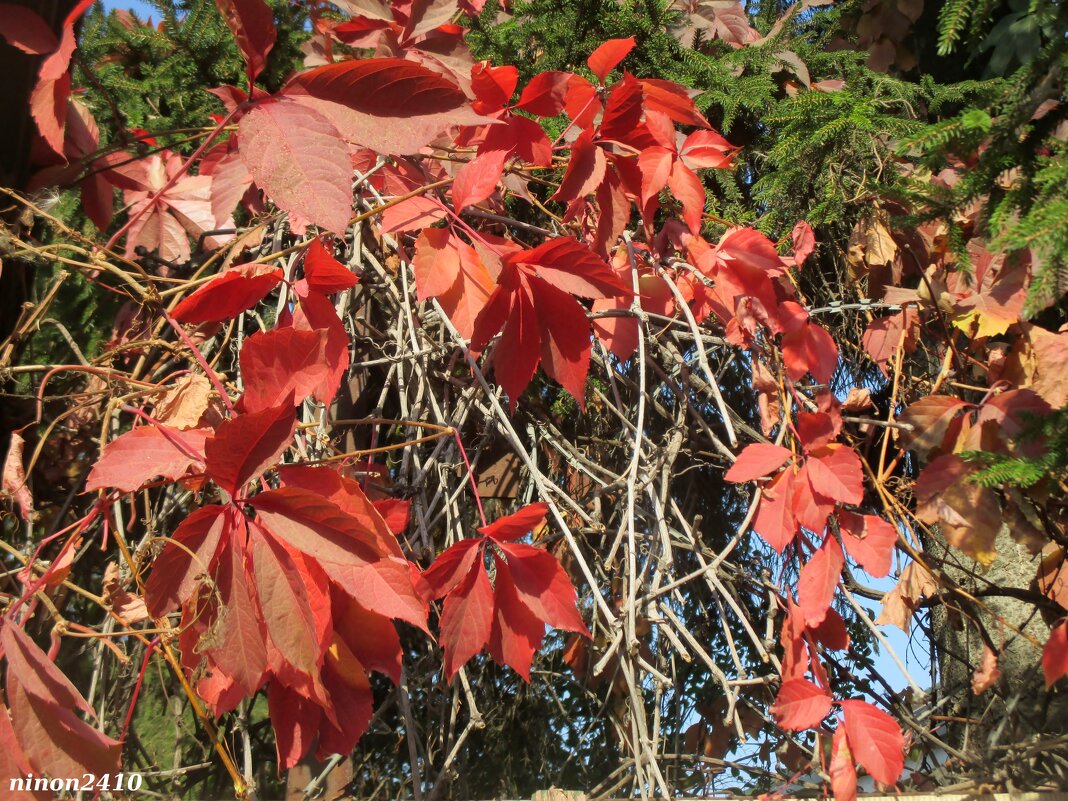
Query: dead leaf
point(183, 404)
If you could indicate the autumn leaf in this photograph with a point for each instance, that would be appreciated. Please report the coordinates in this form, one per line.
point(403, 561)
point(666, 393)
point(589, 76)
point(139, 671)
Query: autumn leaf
point(136, 457)
point(325, 274)
point(800, 705)
point(246, 445)
point(228, 295)
point(283, 364)
point(293, 152)
point(466, 619)
point(252, 24)
point(842, 770)
point(1055, 654)
point(818, 580)
point(189, 555)
point(875, 740)
point(756, 461)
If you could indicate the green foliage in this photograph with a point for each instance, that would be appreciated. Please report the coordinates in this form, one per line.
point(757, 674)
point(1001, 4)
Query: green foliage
point(1010, 135)
point(1025, 472)
point(156, 76)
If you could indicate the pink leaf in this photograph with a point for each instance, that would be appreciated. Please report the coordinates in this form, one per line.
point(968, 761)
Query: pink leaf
point(294, 154)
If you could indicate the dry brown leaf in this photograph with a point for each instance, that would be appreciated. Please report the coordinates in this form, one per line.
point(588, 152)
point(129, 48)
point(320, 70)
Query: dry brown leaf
point(182, 405)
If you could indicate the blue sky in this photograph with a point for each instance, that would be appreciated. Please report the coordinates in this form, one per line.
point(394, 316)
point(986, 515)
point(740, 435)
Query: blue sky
point(142, 9)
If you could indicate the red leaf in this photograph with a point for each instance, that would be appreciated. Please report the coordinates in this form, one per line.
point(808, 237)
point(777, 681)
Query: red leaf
point(1055, 654)
point(318, 527)
point(655, 164)
point(384, 587)
point(706, 149)
point(396, 512)
point(317, 313)
point(519, 349)
point(818, 580)
point(804, 242)
point(227, 296)
point(571, 266)
point(452, 567)
point(449, 269)
point(756, 461)
point(477, 179)
point(810, 509)
point(252, 24)
point(774, 519)
point(832, 632)
point(246, 445)
point(13, 761)
point(809, 349)
point(565, 338)
point(294, 154)
point(24, 29)
point(843, 771)
point(240, 650)
point(544, 96)
point(371, 637)
point(175, 573)
point(493, 86)
point(38, 675)
point(605, 58)
point(136, 457)
point(585, 170)
point(800, 705)
point(48, 101)
point(689, 190)
point(390, 105)
point(517, 632)
point(286, 594)
point(835, 472)
point(349, 497)
point(296, 722)
point(54, 739)
point(870, 540)
point(875, 740)
point(325, 274)
point(543, 586)
point(283, 364)
point(466, 619)
point(516, 524)
point(672, 100)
